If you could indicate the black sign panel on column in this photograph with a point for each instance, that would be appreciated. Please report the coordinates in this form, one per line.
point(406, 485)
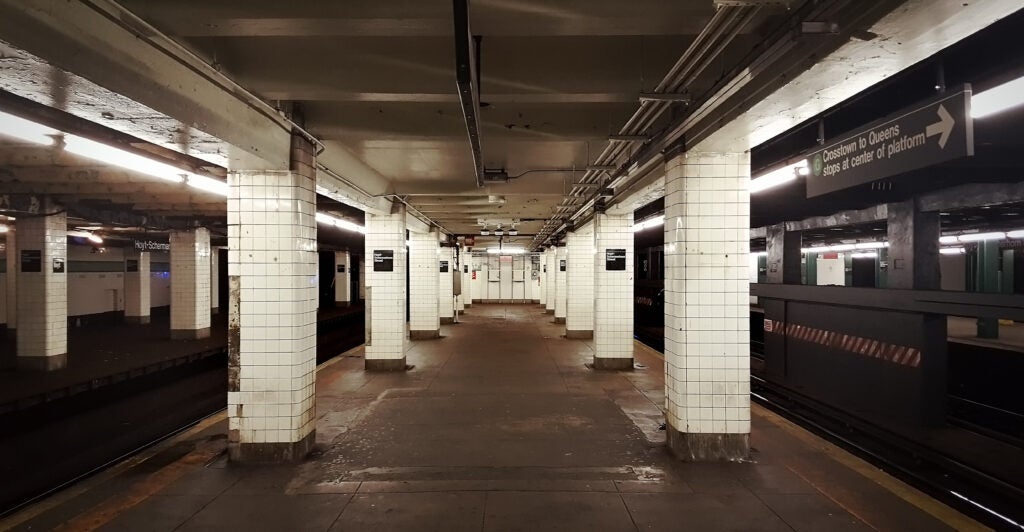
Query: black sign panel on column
point(932, 132)
point(131, 265)
point(561, 265)
point(444, 266)
point(341, 268)
point(383, 260)
point(615, 259)
point(31, 260)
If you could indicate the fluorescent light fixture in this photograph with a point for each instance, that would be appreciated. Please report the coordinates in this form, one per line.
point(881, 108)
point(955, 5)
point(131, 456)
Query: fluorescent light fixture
point(499, 233)
point(664, 97)
point(629, 138)
point(998, 99)
point(952, 251)
point(506, 251)
point(818, 249)
point(648, 223)
point(4, 228)
point(118, 157)
point(978, 237)
point(759, 254)
point(779, 177)
point(327, 219)
point(1015, 234)
point(513, 232)
point(26, 130)
point(948, 239)
point(871, 245)
point(92, 237)
point(865, 255)
point(842, 247)
point(484, 232)
point(207, 184)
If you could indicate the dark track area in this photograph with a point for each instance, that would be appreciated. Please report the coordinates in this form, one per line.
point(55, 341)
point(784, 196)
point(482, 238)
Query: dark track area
point(49, 444)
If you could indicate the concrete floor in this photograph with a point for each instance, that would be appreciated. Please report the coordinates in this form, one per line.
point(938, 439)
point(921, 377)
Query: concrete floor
point(499, 426)
point(1011, 335)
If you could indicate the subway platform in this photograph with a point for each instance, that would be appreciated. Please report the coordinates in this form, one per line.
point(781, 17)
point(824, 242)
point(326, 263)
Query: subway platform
point(499, 425)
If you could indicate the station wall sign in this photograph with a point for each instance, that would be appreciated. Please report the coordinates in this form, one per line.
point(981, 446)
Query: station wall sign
point(131, 265)
point(151, 245)
point(383, 260)
point(31, 261)
point(615, 259)
point(444, 266)
point(341, 268)
point(561, 265)
point(935, 131)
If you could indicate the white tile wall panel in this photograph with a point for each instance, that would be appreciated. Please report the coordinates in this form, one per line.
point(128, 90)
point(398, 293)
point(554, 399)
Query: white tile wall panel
point(137, 285)
point(613, 308)
point(190, 280)
point(551, 287)
point(42, 301)
point(385, 291)
point(273, 273)
point(445, 283)
point(579, 311)
point(560, 285)
point(424, 254)
point(707, 351)
point(342, 280)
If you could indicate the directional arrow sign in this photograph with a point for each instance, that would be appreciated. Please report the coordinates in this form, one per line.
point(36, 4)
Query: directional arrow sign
point(929, 133)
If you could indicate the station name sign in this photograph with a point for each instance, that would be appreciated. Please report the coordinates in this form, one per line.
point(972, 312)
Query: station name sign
point(151, 245)
point(929, 133)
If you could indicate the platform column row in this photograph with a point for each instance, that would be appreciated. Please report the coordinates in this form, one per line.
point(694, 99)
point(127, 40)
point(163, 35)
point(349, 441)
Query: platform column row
point(707, 337)
point(551, 286)
point(385, 263)
point(466, 258)
point(560, 283)
point(272, 278)
point(190, 284)
point(42, 305)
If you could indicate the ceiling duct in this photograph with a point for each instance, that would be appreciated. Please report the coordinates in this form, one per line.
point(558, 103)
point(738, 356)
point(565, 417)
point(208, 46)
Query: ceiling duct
point(467, 79)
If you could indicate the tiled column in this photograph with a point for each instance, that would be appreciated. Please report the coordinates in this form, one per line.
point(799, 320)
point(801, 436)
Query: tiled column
point(613, 291)
point(467, 278)
point(11, 256)
point(362, 276)
point(190, 284)
point(783, 255)
point(272, 278)
point(445, 286)
point(136, 286)
point(424, 319)
point(552, 285)
point(707, 337)
point(560, 293)
point(579, 310)
point(385, 291)
point(43, 300)
point(214, 280)
point(342, 278)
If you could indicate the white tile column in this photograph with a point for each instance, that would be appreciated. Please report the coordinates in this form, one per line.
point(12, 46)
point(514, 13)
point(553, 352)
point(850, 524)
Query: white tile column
point(460, 300)
point(137, 301)
point(467, 277)
point(190, 284)
point(707, 337)
point(552, 288)
point(272, 281)
point(613, 291)
point(385, 262)
point(11, 256)
point(579, 310)
point(215, 280)
point(42, 314)
point(560, 294)
point(342, 278)
point(446, 286)
point(424, 318)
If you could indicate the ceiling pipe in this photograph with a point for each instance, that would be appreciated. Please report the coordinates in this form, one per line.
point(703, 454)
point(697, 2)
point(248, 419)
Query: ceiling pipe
point(467, 80)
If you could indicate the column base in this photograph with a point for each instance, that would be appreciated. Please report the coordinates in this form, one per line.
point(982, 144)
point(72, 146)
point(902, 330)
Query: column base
point(559, 320)
point(136, 320)
point(282, 452)
point(701, 447)
point(424, 335)
point(47, 363)
point(384, 364)
point(549, 311)
point(613, 364)
point(579, 335)
point(535, 301)
point(190, 334)
point(214, 310)
point(447, 321)
point(343, 304)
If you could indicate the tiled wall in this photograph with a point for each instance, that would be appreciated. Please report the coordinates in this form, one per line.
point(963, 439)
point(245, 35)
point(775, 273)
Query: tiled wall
point(707, 337)
point(11, 278)
point(137, 285)
point(579, 312)
point(273, 269)
point(560, 282)
point(342, 280)
point(551, 287)
point(613, 309)
point(385, 291)
point(190, 279)
point(424, 254)
point(445, 286)
point(42, 297)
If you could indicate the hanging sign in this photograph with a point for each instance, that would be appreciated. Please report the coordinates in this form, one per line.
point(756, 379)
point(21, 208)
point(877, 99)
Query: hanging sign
point(151, 245)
